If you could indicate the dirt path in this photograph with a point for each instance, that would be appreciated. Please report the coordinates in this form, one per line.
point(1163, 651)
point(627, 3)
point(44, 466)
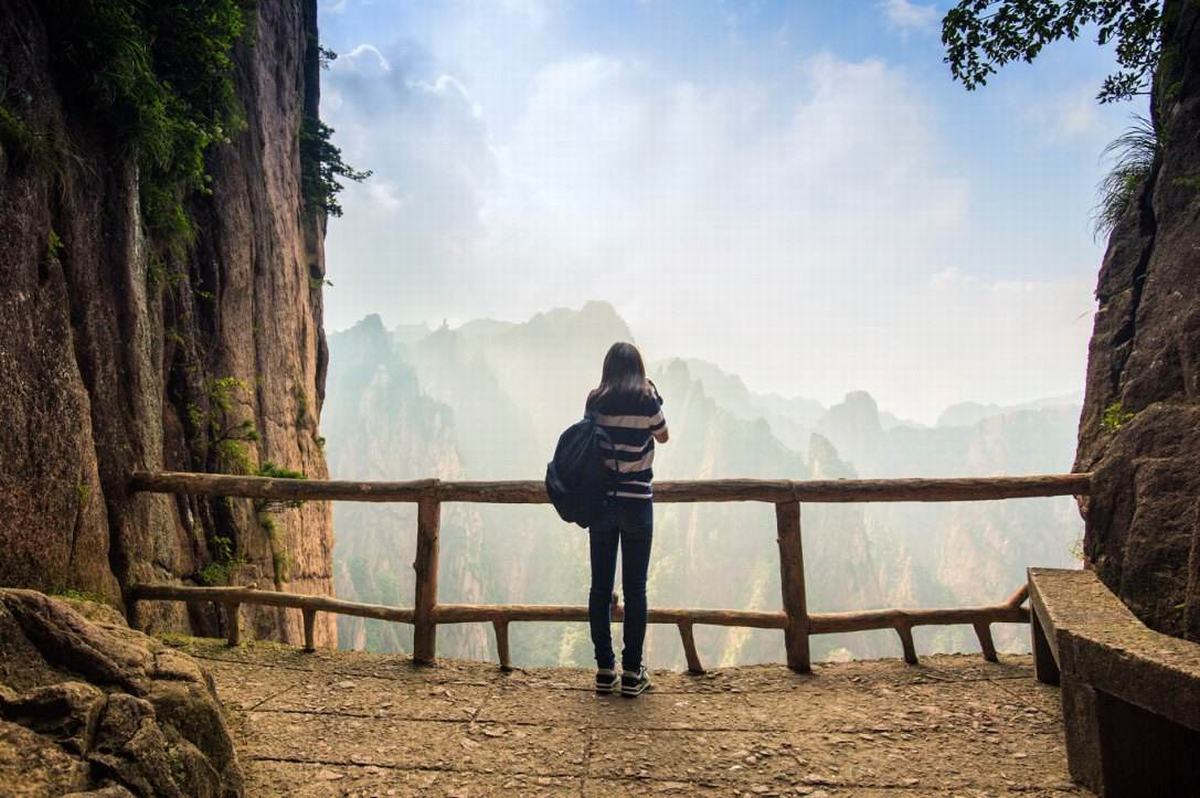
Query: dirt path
point(340, 723)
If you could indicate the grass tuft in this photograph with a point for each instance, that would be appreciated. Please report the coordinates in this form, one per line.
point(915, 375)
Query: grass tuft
point(1133, 154)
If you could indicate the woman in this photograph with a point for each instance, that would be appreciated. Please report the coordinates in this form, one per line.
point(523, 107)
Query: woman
point(628, 407)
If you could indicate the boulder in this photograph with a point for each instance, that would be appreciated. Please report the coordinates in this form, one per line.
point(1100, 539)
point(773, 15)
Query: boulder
point(92, 707)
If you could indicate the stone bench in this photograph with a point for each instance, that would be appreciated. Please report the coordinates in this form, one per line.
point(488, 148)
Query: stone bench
point(1131, 696)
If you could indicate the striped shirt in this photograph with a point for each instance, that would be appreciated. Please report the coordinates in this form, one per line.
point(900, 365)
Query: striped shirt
point(631, 424)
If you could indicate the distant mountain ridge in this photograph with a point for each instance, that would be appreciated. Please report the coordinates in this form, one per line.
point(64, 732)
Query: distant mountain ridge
point(486, 400)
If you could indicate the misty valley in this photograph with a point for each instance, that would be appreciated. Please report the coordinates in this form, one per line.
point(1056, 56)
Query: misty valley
point(487, 400)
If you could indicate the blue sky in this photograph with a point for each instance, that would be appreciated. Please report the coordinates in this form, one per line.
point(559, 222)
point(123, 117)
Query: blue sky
point(796, 191)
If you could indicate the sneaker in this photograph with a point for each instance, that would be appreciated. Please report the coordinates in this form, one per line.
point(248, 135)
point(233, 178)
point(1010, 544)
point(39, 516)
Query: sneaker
point(635, 683)
point(607, 680)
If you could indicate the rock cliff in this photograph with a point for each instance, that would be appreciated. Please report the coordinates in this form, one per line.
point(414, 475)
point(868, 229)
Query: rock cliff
point(115, 358)
point(1140, 427)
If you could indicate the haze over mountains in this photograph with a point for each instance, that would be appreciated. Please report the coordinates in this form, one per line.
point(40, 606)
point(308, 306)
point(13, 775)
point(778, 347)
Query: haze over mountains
point(487, 400)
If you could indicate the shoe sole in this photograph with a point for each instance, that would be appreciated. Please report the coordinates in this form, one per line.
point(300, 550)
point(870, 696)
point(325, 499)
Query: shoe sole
point(609, 690)
point(635, 691)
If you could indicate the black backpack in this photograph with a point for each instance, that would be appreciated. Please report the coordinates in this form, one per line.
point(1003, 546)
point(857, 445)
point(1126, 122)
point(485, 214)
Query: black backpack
point(576, 479)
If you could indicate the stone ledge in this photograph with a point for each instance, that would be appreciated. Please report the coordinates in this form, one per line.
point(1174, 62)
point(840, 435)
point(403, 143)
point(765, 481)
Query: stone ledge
point(1130, 695)
point(1096, 638)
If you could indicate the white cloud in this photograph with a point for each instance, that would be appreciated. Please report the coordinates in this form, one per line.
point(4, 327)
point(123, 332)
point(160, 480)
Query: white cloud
point(1067, 116)
point(364, 59)
point(427, 144)
point(534, 12)
point(620, 161)
point(910, 17)
point(386, 196)
point(804, 231)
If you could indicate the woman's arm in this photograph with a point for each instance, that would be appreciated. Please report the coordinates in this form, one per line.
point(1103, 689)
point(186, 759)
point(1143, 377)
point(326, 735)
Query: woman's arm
point(662, 435)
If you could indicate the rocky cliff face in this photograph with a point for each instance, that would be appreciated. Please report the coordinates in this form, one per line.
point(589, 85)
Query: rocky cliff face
point(112, 360)
point(1140, 427)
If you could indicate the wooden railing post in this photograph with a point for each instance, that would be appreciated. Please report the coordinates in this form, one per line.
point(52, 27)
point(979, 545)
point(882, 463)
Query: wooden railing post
point(983, 630)
point(310, 618)
point(133, 615)
point(689, 648)
point(501, 628)
point(791, 581)
point(906, 642)
point(233, 628)
point(429, 513)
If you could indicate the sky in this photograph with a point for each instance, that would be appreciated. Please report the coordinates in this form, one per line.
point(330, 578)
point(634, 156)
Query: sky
point(796, 191)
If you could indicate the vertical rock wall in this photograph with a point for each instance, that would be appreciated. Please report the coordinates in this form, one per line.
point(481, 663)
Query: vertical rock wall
point(108, 360)
point(1140, 427)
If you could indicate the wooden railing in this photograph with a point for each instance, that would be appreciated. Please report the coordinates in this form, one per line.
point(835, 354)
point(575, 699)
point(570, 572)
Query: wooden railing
point(796, 622)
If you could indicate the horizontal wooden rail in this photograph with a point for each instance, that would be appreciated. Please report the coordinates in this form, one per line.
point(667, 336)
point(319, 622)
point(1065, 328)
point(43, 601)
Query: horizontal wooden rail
point(532, 492)
point(500, 615)
point(824, 623)
point(270, 598)
point(475, 613)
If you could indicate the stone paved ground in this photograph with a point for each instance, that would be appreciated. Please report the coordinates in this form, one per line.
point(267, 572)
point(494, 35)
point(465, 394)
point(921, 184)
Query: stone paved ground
point(349, 724)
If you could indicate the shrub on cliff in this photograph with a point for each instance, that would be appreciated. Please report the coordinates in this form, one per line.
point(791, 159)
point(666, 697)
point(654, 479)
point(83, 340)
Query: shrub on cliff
point(159, 77)
point(1133, 154)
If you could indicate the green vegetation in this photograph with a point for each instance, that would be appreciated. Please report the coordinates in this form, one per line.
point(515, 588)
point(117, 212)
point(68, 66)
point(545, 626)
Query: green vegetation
point(325, 56)
point(1133, 154)
point(221, 548)
point(224, 560)
point(281, 561)
point(23, 143)
point(301, 406)
point(227, 438)
point(159, 77)
point(77, 595)
point(981, 36)
point(264, 508)
point(53, 245)
point(160, 273)
point(213, 574)
point(321, 165)
point(269, 469)
point(322, 168)
point(1115, 417)
point(1191, 182)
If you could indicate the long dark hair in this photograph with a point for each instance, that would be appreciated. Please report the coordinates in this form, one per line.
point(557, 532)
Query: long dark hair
point(623, 376)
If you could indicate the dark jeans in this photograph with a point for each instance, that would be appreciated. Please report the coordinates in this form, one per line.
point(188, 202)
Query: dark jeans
point(629, 523)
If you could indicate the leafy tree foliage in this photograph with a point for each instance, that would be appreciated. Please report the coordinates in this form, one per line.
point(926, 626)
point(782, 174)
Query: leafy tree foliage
point(983, 35)
point(159, 75)
point(322, 168)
